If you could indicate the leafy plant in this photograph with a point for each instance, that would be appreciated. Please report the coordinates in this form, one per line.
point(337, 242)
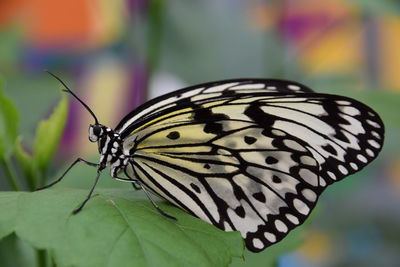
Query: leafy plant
point(9, 119)
point(48, 134)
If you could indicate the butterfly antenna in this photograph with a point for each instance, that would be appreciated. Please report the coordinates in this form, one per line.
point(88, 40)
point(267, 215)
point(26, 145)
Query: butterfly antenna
point(74, 95)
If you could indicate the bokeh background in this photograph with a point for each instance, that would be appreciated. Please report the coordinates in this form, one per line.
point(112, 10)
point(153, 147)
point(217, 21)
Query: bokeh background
point(117, 54)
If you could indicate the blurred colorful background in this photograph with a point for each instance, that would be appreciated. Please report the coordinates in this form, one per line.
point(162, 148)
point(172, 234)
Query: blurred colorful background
point(117, 54)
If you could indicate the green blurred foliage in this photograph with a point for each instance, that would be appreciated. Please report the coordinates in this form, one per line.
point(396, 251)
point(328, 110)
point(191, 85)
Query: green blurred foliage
point(382, 6)
point(9, 119)
point(48, 135)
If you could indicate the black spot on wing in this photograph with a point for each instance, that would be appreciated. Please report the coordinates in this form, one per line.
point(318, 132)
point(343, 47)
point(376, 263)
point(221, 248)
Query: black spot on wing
point(173, 135)
point(206, 115)
point(250, 140)
point(276, 179)
point(260, 197)
point(271, 160)
point(210, 119)
point(330, 149)
point(195, 187)
point(261, 118)
point(212, 127)
point(240, 211)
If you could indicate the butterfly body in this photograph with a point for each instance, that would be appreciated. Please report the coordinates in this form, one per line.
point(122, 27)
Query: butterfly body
point(110, 149)
point(251, 155)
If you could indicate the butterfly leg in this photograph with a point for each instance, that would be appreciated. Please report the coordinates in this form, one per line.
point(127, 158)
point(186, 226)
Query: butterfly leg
point(135, 186)
point(128, 180)
point(75, 211)
point(136, 182)
point(163, 213)
point(69, 168)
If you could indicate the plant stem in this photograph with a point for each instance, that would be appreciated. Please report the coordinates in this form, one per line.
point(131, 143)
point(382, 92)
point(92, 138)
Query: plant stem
point(41, 258)
point(154, 37)
point(30, 181)
point(10, 174)
point(41, 177)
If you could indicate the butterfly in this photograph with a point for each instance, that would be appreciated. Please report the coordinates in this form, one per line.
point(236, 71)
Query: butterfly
point(247, 155)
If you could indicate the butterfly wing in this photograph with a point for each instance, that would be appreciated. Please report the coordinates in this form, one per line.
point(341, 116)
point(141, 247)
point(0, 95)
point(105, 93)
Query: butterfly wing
point(259, 182)
point(203, 93)
point(250, 159)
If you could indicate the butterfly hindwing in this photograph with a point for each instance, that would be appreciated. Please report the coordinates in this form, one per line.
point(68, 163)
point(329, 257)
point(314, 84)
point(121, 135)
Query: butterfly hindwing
point(249, 155)
point(343, 134)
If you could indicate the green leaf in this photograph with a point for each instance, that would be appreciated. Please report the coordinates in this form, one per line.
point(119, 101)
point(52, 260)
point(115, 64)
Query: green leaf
point(48, 135)
point(8, 212)
point(116, 228)
point(9, 119)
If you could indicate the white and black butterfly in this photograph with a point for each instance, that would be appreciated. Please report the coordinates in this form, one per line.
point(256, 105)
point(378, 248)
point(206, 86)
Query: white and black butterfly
point(251, 155)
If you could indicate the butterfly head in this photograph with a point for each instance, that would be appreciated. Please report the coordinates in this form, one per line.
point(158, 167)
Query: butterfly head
point(96, 132)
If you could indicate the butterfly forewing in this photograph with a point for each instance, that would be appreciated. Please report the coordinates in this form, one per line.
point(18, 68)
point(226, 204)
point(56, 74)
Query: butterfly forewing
point(249, 155)
point(201, 93)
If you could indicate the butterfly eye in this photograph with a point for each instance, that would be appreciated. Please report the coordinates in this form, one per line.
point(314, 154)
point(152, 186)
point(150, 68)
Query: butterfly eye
point(95, 132)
